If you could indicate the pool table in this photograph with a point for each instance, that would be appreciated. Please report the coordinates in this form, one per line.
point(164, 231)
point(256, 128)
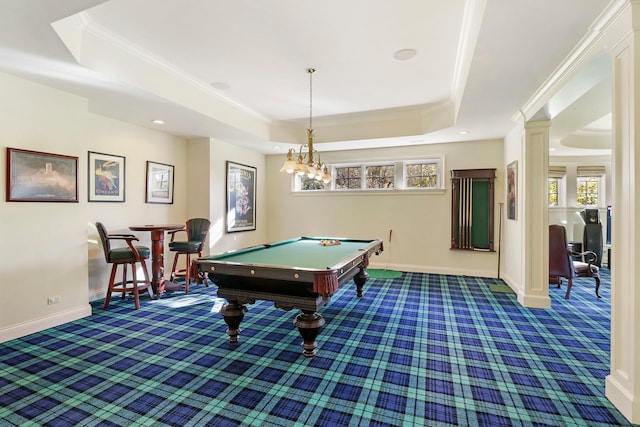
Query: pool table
point(300, 273)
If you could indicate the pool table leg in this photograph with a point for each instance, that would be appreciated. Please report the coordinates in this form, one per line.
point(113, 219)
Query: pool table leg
point(360, 279)
point(309, 324)
point(233, 314)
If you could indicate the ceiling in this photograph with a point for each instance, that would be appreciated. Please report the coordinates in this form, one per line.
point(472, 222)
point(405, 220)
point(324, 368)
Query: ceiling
point(236, 70)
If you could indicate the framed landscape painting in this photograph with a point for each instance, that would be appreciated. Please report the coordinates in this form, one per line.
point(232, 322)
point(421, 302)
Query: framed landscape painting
point(106, 178)
point(159, 183)
point(33, 176)
point(241, 197)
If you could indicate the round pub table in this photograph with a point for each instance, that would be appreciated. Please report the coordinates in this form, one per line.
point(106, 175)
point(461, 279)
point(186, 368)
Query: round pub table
point(158, 283)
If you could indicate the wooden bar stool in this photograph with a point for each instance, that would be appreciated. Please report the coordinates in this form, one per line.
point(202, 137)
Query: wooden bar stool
point(129, 255)
point(197, 230)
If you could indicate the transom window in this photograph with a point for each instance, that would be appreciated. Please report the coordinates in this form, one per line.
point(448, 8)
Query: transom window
point(347, 178)
point(380, 176)
point(423, 174)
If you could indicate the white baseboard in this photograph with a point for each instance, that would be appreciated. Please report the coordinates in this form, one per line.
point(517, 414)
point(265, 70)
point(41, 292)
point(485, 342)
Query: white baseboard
point(42, 323)
point(411, 268)
point(622, 399)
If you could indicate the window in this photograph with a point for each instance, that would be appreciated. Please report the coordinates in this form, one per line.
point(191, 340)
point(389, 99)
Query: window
point(589, 185)
point(421, 175)
point(587, 191)
point(380, 176)
point(556, 185)
point(307, 183)
point(347, 178)
point(553, 191)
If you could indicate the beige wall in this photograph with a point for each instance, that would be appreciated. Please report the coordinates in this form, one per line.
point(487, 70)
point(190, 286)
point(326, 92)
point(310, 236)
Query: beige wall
point(511, 260)
point(420, 221)
point(219, 153)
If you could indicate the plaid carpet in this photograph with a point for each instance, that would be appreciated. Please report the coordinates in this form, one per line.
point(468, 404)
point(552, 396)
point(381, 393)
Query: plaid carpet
point(421, 349)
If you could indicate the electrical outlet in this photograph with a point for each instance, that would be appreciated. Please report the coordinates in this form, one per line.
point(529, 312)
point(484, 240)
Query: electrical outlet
point(54, 299)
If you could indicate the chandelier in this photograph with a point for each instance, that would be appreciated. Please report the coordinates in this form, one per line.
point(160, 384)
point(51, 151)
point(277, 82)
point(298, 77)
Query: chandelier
point(305, 164)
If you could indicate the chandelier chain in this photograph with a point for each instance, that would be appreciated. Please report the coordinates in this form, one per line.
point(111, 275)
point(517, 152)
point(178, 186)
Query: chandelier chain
point(310, 71)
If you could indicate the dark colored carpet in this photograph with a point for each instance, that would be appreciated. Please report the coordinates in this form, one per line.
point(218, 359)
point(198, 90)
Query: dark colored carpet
point(423, 349)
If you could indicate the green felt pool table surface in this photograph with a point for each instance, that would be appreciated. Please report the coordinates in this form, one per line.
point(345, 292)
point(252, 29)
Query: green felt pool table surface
point(298, 253)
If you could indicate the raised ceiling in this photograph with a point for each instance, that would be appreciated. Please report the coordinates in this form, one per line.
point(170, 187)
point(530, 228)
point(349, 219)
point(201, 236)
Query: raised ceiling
point(236, 70)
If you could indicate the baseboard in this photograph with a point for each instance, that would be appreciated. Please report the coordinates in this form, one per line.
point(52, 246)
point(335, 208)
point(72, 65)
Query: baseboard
point(412, 268)
point(529, 301)
point(622, 399)
point(40, 324)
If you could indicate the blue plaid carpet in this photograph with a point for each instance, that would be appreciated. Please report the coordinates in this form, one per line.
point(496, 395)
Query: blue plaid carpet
point(421, 349)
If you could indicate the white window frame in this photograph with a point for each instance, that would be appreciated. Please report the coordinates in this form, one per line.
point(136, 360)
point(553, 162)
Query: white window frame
point(439, 181)
point(601, 193)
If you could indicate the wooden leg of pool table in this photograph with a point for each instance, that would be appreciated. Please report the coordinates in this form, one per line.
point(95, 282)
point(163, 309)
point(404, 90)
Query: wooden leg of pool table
point(360, 279)
point(233, 314)
point(309, 324)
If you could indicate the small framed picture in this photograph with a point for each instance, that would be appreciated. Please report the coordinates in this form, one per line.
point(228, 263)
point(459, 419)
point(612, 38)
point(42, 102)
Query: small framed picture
point(241, 197)
point(106, 178)
point(512, 190)
point(159, 183)
point(33, 176)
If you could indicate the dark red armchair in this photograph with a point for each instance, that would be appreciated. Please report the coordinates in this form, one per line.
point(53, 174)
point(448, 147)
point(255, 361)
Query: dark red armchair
point(561, 263)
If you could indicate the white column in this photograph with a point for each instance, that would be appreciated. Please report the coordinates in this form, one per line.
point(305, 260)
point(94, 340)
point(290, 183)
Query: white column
point(623, 383)
point(535, 215)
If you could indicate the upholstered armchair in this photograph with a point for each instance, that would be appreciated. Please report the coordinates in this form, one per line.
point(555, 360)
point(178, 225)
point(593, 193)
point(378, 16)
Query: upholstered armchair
point(561, 263)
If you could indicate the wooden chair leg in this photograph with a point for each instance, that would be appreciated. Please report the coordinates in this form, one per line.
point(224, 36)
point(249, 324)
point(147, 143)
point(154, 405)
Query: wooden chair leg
point(597, 286)
point(173, 269)
point(146, 278)
point(187, 273)
point(136, 296)
point(123, 285)
point(569, 282)
point(112, 277)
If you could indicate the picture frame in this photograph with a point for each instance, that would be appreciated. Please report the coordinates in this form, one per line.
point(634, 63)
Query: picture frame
point(105, 177)
point(241, 197)
point(34, 176)
point(512, 190)
point(160, 179)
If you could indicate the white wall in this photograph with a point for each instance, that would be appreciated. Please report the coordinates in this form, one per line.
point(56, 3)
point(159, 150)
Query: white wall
point(421, 222)
point(49, 249)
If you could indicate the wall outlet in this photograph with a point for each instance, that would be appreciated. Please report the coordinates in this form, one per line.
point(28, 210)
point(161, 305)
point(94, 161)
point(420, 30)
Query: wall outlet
point(54, 299)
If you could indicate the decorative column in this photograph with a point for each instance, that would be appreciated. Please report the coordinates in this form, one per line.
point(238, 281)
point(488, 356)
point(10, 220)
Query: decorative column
point(535, 216)
point(622, 386)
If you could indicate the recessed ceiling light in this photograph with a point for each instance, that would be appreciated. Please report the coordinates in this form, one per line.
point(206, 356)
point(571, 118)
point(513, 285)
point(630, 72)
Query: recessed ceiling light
point(158, 121)
point(552, 149)
point(404, 54)
point(463, 132)
point(220, 85)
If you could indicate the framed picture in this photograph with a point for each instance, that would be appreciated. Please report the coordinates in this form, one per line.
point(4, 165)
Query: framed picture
point(241, 197)
point(33, 176)
point(106, 178)
point(512, 190)
point(159, 183)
